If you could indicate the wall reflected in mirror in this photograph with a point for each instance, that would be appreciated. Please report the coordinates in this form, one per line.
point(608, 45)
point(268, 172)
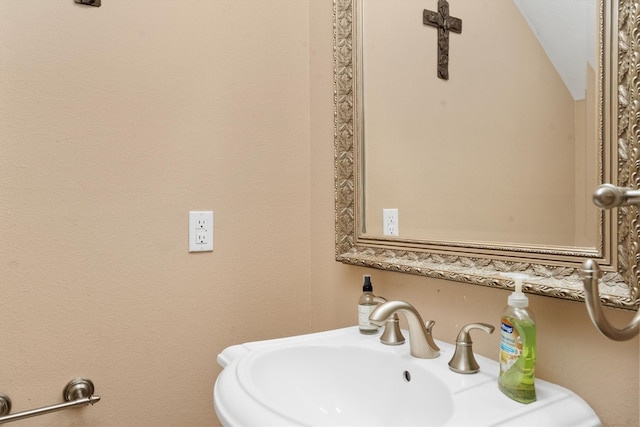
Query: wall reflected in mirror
point(504, 152)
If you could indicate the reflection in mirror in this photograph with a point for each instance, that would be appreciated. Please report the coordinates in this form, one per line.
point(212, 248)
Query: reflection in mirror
point(506, 150)
point(493, 169)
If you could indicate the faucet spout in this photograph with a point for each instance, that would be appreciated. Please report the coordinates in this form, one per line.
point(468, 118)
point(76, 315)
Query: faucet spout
point(420, 339)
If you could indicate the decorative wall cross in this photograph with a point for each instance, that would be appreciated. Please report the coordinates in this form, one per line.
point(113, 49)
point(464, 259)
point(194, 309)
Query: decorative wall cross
point(444, 23)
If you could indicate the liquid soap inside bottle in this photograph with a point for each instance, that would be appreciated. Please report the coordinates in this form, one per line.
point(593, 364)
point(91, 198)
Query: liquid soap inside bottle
point(518, 349)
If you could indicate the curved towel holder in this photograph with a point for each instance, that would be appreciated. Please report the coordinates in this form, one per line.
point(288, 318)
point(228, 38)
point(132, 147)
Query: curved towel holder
point(608, 196)
point(591, 274)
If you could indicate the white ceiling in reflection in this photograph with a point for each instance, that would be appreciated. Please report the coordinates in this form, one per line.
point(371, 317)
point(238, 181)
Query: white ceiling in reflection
point(566, 30)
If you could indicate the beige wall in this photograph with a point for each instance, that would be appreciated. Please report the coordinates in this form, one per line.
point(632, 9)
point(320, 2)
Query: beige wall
point(115, 122)
point(105, 116)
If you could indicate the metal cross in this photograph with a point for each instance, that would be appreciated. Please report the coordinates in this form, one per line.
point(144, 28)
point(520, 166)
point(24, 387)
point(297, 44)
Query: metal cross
point(444, 23)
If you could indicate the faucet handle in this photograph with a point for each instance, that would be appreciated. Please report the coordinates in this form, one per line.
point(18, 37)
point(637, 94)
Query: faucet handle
point(463, 361)
point(392, 334)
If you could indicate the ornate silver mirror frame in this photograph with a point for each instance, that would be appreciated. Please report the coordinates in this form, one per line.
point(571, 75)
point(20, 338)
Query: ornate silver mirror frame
point(553, 272)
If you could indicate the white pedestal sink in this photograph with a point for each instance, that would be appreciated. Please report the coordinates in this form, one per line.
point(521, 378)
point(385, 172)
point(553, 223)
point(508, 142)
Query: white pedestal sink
point(344, 378)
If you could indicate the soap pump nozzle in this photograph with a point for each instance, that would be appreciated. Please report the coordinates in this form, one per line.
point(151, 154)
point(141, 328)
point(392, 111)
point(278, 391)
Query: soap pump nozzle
point(517, 297)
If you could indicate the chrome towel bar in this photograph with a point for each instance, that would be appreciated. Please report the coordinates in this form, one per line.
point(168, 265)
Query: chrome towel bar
point(77, 392)
point(608, 196)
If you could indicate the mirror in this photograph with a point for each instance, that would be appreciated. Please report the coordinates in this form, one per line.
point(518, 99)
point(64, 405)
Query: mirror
point(528, 101)
point(437, 150)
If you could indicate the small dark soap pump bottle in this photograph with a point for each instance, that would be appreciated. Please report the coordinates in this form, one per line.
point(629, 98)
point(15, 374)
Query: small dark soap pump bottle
point(366, 305)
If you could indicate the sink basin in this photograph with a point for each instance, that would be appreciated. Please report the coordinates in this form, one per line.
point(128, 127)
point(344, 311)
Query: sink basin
point(347, 385)
point(342, 377)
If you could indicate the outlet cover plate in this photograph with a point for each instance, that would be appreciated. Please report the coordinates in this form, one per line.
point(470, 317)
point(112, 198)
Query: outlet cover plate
point(200, 231)
point(390, 226)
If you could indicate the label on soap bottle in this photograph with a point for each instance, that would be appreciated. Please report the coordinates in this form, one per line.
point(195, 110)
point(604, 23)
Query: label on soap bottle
point(364, 311)
point(510, 345)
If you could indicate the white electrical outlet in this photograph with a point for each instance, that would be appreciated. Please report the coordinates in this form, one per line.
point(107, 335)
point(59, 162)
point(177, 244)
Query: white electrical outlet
point(390, 222)
point(200, 231)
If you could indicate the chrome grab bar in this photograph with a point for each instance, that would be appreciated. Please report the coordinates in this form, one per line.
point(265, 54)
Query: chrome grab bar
point(77, 392)
point(607, 196)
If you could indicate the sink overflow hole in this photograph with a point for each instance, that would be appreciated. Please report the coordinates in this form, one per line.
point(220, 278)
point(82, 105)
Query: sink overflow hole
point(407, 376)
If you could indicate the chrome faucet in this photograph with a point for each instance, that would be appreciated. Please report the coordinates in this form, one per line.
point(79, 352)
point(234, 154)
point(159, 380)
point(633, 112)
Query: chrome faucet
point(420, 339)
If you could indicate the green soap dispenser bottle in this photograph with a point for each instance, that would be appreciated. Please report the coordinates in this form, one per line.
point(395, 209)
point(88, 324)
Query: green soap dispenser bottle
point(518, 346)
point(366, 305)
